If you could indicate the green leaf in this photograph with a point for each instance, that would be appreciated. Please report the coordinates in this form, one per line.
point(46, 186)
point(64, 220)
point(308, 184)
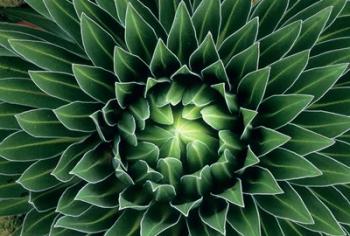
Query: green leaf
point(68, 206)
point(134, 197)
point(10, 188)
point(204, 55)
point(14, 67)
point(95, 165)
point(311, 30)
point(104, 194)
point(98, 43)
point(167, 12)
point(206, 19)
point(76, 115)
point(239, 40)
point(5, 36)
point(278, 110)
point(229, 140)
point(171, 169)
point(338, 30)
point(38, 176)
point(198, 183)
point(328, 124)
point(270, 13)
point(164, 62)
point(269, 224)
point(96, 82)
point(161, 192)
point(252, 87)
point(290, 228)
point(335, 100)
point(291, 166)
point(215, 215)
point(14, 206)
point(198, 154)
point(336, 201)
point(323, 79)
point(333, 57)
point(162, 115)
point(243, 63)
point(108, 6)
point(182, 36)
point(267, 140)
point(276, 45)
point(139, 36)
point(36, 223)
point(234, 15)
point(129, 67)
point(128, 223)
point(157, 219)
point(288, 205)
point(215, 73)
point(217, 118)
point(59, 85)
point(199, 95)
point(258, 180)
point(304, 141)
point(339, 151)
point(333, 172)
point(127, 127)
point(24, 92)
point(46, 200)
point(141, 172)
point(12, 168)
point(101, 18)
point(185, 207)
point(46, 55)
point(7, 115)
point(13, 147)
point(94, 220)
point(324, 220)
point(63, 13)
point(43, 123)
point(245, 220)
point(141, 111)
point(233, 195)
point(285, 72)
point(312, 9)
point(196, 227)
point(145, 151)
point(39, 7)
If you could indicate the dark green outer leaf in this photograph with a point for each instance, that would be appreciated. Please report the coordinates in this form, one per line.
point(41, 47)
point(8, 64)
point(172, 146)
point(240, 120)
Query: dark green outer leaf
point(24, 92)
point(46, 55)
point(206, 19)
point(139, 36)
point(43, 123)
point(96, 82)
point(36, 223)
point(63, 13)
point(182, 36)
point(285, 72)
point(13, 147)
point(234, 16)
point(59, 85)
point(270, 13)
point(98, 43)
point(333, 172)
point(38, 176)
point(94, 220)
point(288, 205)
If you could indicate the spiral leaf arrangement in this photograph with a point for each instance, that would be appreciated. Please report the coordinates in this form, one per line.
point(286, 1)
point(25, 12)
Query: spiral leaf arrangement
point(196, 117)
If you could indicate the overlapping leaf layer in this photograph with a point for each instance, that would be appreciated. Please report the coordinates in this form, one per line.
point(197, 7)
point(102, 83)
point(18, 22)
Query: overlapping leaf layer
point(195, 117)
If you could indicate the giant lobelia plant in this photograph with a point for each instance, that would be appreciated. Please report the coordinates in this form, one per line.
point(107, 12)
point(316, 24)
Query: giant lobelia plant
point(169, 117)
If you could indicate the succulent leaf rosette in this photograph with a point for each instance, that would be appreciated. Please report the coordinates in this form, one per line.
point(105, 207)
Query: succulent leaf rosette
point(169, 117)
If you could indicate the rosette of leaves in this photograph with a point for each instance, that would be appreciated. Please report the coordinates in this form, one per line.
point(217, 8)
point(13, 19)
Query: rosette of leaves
point(197, 117)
